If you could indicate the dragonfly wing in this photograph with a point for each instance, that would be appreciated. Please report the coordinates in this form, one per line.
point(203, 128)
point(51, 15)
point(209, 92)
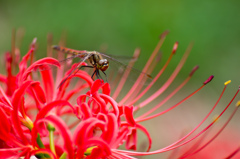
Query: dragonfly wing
point(125, 66)
point(120, 58)
point(78, 66)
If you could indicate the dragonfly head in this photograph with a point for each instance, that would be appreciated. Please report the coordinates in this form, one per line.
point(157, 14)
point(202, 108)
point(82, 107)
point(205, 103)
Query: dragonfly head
point(103, 64)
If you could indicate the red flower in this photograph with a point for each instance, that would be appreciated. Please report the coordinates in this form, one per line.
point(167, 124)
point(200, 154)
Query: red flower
point(39, 119)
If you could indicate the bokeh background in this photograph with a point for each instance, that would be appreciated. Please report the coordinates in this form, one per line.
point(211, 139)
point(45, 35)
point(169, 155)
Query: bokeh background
point(122, 26)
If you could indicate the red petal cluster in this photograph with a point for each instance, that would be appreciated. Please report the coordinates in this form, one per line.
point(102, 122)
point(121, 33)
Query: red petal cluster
point(82, 120)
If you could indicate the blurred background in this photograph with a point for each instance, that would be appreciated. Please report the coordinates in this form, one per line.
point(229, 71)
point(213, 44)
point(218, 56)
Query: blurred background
point(121, 26)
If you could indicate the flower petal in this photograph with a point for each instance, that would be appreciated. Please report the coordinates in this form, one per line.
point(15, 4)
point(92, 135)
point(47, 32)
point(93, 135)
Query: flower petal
point(39, 92)
point(47, 80)
point(64, 131)
point(113, 103)
point(131, 143)
point(42, 64)
point(16, 102)
point(45, 151)
point(111, 132)
point(85, 111)
point(96, 85)
point(84, 130)
point(5, 126)
point(128, 111)
point(106, 89)
point(50, 106)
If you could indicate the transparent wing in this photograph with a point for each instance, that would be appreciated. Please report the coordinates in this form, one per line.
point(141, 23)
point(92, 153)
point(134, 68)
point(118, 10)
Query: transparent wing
point(76, 68)
point(118, 70)
point(119, 57)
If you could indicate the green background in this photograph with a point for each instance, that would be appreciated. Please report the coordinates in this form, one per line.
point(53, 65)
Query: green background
point(213, 26)
point(124, 25)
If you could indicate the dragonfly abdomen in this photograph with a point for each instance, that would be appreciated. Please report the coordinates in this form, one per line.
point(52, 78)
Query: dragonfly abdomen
point(70, 51)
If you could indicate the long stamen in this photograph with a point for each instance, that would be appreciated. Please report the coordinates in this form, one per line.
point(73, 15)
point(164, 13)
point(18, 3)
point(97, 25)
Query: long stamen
point(151, 58)
point(13, 48)
point(170, 95)
point(125, 75)
point(157, 76)
point(215, 136)
point(171, 147)
point(209, 124)
point(169, 81)
point(49, 45)
point(144, 81)
point(163, 112)
point(233, 153)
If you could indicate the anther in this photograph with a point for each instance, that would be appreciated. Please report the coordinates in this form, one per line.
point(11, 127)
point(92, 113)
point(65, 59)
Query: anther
point(208, 80)
point(227, 82)
point(193, 70)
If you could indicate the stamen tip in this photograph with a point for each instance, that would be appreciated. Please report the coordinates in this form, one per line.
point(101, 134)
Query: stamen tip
point(227, 82)
point(175, 46)
point(194, 70)
point(164, 34)
point(208, 80)
point(215, 118)
point(34, 40)
point(238, 103)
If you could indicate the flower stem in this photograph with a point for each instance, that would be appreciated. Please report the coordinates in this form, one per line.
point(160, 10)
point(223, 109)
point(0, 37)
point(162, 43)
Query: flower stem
point(51, 130)
point(63, 156)
point(39, 142)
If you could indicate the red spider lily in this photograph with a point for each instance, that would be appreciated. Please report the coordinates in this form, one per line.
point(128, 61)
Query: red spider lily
point(39, 119)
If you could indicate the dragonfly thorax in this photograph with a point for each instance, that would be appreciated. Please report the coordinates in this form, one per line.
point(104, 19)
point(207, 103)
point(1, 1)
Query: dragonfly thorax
point(98, 62)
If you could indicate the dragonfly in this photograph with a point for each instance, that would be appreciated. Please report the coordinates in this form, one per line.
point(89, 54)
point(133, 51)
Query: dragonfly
point(98, 61)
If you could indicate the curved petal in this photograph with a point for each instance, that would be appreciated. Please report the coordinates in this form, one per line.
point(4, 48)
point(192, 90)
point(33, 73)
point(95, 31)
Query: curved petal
point(106, 151)
point(85, 111)
point(106, 89)
point(39, 92)
point(5, 126)
point(111, 132)
point(128, 111)
point(48, 84)
point(50, 106)
point(79, 74)
point(42, 63)
point(16, 102)
point(96, 85)
point(84, 130)
point(3, 78)
point(49, 152)
point(131, 142)
point(64, 131)
point(147, 134)
point(113, 103)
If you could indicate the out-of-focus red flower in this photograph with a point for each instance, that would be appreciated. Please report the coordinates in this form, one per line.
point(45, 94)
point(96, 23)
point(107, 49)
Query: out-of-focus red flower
point(83, 119)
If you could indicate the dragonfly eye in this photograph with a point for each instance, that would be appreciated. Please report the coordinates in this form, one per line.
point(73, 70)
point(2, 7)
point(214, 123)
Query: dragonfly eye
point(104, 64)
point(103, 61)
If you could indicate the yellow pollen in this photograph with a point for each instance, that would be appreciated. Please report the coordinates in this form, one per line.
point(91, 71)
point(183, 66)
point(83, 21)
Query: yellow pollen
point(215, 118)
point(238, 103)
point(226, 83)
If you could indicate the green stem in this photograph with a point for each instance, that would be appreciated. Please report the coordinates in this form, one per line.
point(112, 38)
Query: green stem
point(63, 156)
point(39, 142)
point(51, 130)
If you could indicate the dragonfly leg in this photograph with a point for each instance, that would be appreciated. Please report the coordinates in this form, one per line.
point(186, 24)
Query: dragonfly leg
point(105, 76)
point(94, 74)
point(73, 72)
point(98, 75)
point(86, 66)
